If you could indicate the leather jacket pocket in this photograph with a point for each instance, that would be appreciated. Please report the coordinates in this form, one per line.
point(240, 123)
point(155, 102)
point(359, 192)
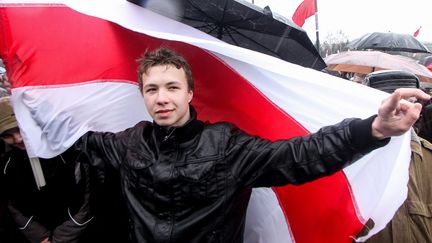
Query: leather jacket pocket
point(137, 161)
point(199, 179)
point(137, 175)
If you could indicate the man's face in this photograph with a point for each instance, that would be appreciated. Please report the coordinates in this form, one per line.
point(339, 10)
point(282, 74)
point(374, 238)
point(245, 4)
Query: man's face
point(13, 137)
point(166, 95)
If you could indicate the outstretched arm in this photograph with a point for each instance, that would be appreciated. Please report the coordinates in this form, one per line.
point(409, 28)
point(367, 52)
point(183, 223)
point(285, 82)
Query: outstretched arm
point(396, 114)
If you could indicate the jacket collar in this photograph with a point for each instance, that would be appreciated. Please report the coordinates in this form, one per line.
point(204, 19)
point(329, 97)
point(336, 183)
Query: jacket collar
point(180, 134)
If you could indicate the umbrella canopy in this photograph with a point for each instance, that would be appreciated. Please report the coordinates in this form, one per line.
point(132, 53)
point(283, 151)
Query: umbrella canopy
point(426, 61)
point(388, 42)
point(369, 61)
point(243, 24)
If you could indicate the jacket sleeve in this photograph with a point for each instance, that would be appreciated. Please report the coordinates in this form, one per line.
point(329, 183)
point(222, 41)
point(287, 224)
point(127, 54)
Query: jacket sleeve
point(104, 147)
point(31, 229)
point(262, 163)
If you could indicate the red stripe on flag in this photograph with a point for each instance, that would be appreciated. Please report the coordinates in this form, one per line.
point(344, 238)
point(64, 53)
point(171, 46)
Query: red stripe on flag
point(56, 45)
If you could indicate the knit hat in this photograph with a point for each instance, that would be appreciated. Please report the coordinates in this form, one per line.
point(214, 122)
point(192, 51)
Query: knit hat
point(7, 116)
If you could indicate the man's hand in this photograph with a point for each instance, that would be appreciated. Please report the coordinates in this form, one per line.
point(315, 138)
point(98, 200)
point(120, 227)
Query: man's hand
point(396, 114)
point(45, 240)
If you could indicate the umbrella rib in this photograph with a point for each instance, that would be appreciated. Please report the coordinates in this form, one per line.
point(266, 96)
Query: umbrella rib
point(202, 12)
point(224, 11)
point(195, 19)
point(232, 37)
point(242, 20)
point(218, 23)
point(205, 25)
point(213, 29)
point(252, 40)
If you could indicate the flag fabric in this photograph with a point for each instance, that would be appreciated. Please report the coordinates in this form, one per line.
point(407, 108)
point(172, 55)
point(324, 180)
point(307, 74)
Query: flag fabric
point(417, 32)
point(72, 65)
point(306, 9)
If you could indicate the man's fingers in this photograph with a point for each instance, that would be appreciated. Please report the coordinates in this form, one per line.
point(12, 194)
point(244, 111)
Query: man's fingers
point(399, 100)
point(411, 111)
point(391, 104)
point(407, 93)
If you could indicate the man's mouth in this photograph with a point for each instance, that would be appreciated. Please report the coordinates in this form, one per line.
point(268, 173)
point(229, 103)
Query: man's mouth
point(163, 112)
point(19, 145)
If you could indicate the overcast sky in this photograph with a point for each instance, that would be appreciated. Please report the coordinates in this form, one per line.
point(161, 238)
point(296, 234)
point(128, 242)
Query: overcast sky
point(358, 17)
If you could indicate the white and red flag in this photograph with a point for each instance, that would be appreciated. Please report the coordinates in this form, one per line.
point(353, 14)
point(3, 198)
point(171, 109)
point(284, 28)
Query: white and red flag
point(72, 65)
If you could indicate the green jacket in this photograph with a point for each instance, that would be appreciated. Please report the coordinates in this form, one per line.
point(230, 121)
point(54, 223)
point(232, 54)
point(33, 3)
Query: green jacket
point(413, 220)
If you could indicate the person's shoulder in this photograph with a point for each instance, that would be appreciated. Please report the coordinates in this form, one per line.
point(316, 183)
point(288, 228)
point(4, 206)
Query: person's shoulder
point(142, 129)
point(139, 128)
point(12, 153)
point(425, 144)
point(141, 125)
point(11, 159)
point(222, 125)
point(4, 157)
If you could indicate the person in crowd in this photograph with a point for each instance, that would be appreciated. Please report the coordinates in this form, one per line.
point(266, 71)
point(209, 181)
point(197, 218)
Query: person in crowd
point(358, 77)
point(3, 146)
point(185, 180)
point(58, 211)
point(413, 220)
point(424, 125)
point(4, 83)
point(8, 233)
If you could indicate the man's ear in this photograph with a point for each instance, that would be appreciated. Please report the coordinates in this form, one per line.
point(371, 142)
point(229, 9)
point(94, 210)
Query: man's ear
point(190, 96)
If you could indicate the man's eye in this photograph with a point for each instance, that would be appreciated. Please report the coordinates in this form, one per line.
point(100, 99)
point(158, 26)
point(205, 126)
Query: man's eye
point(173, 88)
point(150, 90)
point(6, 136)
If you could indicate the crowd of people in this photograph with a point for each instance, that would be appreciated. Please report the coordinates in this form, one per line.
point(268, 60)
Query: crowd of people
point(177, 178)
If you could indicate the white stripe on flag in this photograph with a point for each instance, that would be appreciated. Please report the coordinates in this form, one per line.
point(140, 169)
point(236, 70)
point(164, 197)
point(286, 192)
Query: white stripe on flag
point(42, 110)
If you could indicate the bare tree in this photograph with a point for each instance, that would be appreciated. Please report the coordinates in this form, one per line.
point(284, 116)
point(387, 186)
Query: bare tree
point(334, 43)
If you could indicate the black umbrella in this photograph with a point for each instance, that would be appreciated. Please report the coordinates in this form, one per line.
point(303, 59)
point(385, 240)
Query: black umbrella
point(243, 24)
point(388, 42)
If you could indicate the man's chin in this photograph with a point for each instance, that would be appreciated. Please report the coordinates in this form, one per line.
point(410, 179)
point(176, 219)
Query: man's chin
point(164, 122)
point(20, 146)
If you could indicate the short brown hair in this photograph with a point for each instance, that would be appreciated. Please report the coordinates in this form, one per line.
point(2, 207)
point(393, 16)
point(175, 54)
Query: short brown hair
point(161, 57)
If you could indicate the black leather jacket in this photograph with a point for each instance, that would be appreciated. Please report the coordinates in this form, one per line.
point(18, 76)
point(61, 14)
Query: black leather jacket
point(193, 183)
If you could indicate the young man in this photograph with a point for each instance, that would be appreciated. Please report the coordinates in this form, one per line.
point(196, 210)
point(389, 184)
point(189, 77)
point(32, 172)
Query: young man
point(185, 180)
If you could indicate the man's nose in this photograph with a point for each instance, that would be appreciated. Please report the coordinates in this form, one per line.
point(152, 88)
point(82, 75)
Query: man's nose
point(17, 138)
point(162, 97)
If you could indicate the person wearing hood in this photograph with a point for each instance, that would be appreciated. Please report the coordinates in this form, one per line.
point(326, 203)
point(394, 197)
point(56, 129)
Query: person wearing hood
point(57, 210)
